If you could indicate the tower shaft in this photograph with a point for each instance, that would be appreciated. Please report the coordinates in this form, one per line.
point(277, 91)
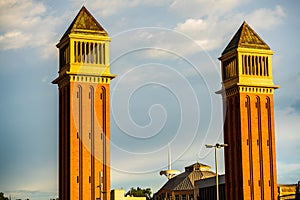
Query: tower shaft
point(84, 120)
point(250, 159)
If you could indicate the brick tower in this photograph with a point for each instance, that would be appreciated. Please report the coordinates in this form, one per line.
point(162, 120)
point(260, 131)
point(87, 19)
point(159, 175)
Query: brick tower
point(84, 121)
point(248, 88)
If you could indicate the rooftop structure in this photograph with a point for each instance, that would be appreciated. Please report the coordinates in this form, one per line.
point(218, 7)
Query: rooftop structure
point(182, 185)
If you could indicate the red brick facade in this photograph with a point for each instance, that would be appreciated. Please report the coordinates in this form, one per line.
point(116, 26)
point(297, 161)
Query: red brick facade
point(250, 158)
point(84, 111)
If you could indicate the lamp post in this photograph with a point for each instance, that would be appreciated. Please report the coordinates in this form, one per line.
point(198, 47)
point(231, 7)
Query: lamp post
point(216, 146)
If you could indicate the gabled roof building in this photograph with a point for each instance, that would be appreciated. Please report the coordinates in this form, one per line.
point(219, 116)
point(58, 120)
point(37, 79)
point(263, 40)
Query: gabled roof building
point(181, 187)
point(206, 188)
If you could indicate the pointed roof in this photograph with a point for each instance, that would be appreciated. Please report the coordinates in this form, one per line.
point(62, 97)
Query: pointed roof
point(197, 166)
point(85, 23)
point(246, 37)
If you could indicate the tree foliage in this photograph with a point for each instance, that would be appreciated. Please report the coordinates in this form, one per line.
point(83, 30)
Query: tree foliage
point(2, 197)
point(139, 192)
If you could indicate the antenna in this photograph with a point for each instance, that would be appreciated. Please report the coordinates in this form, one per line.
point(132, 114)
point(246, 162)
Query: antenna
point(169, 156)
point(169, 173)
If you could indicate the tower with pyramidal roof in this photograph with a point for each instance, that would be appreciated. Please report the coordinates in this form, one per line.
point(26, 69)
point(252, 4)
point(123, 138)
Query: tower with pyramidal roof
point(248, 88)
point(84, 121)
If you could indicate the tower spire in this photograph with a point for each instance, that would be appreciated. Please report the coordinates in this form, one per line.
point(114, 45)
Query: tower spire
point(84, 23)
point(245, 37)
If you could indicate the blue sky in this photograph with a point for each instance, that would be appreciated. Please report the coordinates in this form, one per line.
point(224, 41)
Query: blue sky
point(165, 55)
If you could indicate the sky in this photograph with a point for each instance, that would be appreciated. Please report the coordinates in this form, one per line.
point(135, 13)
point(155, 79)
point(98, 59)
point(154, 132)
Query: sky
point(165, 54)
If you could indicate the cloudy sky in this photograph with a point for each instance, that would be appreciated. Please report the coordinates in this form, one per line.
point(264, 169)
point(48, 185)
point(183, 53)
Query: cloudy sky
point(165, 54)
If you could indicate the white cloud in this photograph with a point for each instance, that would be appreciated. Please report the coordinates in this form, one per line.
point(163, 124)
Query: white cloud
point(192, 26)
point(20, 14)
point(26, 23)
point(266, 19)
point(205, 32)
point(197, 34)
point(196, 8)
point(111, 7)
point(13, 40)
point(152, 43)
point(212, 32)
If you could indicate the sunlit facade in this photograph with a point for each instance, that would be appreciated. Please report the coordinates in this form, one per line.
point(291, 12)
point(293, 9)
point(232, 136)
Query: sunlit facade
point(84, 111)
point(248, 96)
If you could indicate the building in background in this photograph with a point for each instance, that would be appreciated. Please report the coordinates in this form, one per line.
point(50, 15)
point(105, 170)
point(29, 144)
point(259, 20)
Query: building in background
point(84, 122)
point(182, 186)
point(248, 88)
point(119, 194)
point(289, 191)
point(205, 189)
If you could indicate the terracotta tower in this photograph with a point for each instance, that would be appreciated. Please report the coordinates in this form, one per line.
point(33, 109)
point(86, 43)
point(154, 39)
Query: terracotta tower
point(248, 88)
point(84, 121)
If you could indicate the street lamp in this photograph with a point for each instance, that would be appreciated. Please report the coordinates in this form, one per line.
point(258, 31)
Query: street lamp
point(216, 146)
